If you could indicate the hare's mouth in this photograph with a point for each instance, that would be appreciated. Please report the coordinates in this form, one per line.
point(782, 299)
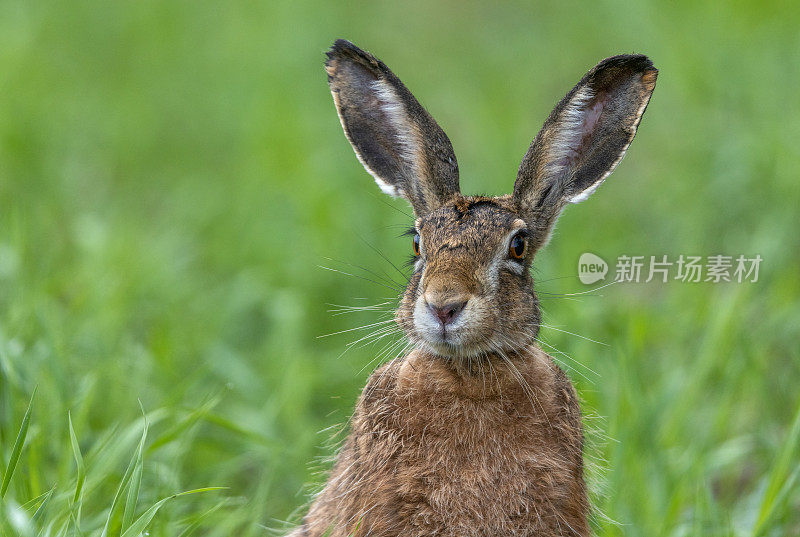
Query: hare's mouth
point(446, 334)
point(445, 342)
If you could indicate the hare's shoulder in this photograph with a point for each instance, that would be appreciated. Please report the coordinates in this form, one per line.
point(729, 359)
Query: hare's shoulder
point(565, 397)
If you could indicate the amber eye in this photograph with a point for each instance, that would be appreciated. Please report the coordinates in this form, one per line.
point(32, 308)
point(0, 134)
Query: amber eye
point(518, 246)
point(416, 244)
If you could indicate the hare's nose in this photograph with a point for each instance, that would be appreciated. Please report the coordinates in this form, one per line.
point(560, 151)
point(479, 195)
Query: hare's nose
point(447, 313)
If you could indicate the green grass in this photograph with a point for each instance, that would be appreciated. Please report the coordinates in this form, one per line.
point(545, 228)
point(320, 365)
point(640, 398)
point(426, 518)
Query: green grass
point(173, 173)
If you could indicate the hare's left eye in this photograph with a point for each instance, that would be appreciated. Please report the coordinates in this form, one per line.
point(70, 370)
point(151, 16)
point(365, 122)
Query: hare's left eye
point(518, 246)
point(416, 244)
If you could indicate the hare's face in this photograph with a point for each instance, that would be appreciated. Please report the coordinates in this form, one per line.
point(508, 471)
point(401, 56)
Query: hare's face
point(471, 291)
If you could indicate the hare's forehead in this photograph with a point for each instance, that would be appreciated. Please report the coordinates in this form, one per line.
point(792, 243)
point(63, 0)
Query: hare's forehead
point(468, 224)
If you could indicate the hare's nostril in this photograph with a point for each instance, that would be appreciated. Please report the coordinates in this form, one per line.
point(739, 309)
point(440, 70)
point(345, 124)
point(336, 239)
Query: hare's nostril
point(448, 312)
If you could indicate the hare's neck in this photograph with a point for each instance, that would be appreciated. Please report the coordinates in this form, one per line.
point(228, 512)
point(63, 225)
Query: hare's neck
point(523, 374)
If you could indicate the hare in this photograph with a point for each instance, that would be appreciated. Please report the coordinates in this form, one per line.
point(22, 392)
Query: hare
point(476, 431)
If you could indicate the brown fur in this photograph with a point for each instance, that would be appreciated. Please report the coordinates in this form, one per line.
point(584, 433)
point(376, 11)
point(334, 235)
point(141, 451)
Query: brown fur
point(475, 432)
point(441, 449)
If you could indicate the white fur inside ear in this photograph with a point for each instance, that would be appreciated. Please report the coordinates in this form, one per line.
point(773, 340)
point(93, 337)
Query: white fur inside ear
point(385, 187)
point(576, 121)
point(406, 134)
point(584, 120)
point(583, 196)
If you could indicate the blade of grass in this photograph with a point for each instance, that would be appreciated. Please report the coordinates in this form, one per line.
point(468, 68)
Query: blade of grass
point(5, 526)
point(76, 452)
point(185, 424)
point(35, 500)
point(133, 495)
point(17, 522)
point(47, 530)
point(221, 421)
point(17, 450)
point(781, 475)
point(199, 520)
point(136, 480)
point(123, 484)
point(358, 525)
point(77, 498)
point(65, 529)
point(141, 523)
point(781, 498)
point(77, 532)
point(42, 506)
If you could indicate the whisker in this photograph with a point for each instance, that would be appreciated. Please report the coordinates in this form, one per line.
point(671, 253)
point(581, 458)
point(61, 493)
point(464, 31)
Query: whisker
point(372, 337)
point(375, 336)
point(584, 366)
point(385, 351)
point(540, 280)
point(402, 274)
point(587, 291)
point(561, 297)
point(400, 343)
point(356, 328)
point(340, 309)
point(385, 202)
point(397, 289)
point(521, 380)
point(549, 327)
point(383, 277)
point(567, 366)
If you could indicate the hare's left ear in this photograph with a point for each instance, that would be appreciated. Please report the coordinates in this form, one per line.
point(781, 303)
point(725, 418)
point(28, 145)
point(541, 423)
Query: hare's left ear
point(395, 139)
point(583, 140)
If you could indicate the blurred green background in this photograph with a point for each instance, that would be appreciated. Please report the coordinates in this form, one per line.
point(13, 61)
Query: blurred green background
point(173, 173)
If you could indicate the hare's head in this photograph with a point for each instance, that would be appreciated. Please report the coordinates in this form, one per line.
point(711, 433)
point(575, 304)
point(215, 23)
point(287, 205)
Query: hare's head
point(471, 291)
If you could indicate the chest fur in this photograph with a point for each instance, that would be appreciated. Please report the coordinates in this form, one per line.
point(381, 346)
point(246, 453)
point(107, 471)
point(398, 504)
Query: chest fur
point(434, 452)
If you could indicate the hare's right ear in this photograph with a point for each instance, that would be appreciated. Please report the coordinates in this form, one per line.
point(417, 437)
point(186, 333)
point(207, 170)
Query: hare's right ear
point(583, 140)
point(395, 139)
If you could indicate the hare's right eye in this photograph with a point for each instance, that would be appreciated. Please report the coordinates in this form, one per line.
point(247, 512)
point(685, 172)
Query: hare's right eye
point(518, 246)
point(415, 244)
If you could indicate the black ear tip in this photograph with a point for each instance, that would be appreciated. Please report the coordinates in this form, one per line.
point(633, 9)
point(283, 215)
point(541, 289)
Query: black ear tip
point(642, 63)
point(633, 62)
point(341, 45)
point(611, 71)
point(342, 48)
point(338, 49)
